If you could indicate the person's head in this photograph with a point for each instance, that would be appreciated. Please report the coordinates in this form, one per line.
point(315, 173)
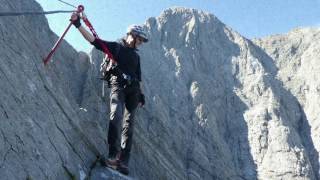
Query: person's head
point(136, 36)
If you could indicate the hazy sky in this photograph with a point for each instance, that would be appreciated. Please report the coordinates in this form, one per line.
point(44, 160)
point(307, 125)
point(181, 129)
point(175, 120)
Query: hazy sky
point(251, 18)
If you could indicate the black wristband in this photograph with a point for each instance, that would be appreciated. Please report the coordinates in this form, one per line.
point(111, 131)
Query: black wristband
point(77, 23)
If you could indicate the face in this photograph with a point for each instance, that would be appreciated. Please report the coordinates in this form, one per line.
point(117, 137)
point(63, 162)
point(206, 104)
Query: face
point(139, 41)
point(131, 39)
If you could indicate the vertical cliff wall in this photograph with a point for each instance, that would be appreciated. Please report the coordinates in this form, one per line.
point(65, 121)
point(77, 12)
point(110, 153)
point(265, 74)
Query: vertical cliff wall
point(218, 105)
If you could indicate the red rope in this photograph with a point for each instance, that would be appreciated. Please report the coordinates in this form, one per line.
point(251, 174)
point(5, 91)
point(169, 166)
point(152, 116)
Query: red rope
point(104, 47)
point(47, 59)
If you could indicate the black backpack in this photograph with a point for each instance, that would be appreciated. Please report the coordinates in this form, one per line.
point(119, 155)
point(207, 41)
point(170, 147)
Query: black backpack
point(107, 68)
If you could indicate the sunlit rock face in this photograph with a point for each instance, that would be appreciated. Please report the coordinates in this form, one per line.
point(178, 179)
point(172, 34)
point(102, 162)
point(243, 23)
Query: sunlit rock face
point(218, 106)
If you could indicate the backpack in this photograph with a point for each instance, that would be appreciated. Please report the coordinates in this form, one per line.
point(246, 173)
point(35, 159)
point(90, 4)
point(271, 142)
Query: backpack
point(107, 68)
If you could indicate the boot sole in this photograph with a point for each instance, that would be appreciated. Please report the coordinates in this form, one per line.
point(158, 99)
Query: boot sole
point(114, 167)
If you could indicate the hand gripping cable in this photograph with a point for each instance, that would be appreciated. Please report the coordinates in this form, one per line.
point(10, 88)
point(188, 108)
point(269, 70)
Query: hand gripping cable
point(80, 9)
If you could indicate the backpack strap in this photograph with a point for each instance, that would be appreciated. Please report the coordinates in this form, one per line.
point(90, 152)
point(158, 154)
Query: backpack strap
point(117, 51)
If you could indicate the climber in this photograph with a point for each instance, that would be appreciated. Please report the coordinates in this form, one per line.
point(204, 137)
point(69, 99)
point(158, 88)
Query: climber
point(126, 94)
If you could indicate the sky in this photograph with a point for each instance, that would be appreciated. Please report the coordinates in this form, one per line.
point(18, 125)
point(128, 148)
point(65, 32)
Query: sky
point(251, 18)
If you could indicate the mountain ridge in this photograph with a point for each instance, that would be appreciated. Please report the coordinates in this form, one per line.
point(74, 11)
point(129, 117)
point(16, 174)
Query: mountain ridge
point(218, 105)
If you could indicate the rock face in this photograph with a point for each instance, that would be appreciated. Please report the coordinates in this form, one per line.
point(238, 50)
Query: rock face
point(296, 56)
point(218, 105)
point(43, 134)
point(224, 113)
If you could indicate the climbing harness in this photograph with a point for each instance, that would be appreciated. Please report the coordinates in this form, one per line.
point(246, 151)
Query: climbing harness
point(80, 10)
point(109, 63)
point(86, 140)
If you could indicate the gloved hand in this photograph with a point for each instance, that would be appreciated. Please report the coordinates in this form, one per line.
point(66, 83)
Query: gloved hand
point(75, 19)
point(142, 100)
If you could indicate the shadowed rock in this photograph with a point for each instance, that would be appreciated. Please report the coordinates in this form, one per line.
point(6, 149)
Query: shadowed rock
point(218, 106)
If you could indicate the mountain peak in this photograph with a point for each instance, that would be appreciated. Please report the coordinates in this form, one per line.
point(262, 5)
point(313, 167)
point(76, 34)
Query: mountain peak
point(217, 105)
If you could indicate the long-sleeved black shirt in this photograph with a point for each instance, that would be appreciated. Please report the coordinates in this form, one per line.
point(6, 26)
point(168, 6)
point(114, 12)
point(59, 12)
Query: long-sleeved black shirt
point(127, 58)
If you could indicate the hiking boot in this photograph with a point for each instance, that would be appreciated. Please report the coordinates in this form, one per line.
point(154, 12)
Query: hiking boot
point(123, 169)
point(116, 164)
point(113, 163)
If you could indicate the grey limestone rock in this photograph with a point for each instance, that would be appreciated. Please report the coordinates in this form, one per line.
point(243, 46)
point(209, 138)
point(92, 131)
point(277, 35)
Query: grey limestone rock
point(296, 55)
point(218, 106)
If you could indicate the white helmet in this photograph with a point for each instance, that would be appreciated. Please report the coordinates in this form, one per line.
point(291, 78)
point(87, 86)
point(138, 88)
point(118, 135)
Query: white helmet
point(137, 30)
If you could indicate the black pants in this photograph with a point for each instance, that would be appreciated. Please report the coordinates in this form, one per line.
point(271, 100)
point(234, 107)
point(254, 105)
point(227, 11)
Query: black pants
point(123, 105)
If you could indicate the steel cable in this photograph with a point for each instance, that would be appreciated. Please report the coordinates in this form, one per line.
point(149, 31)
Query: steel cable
point(32, 13)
